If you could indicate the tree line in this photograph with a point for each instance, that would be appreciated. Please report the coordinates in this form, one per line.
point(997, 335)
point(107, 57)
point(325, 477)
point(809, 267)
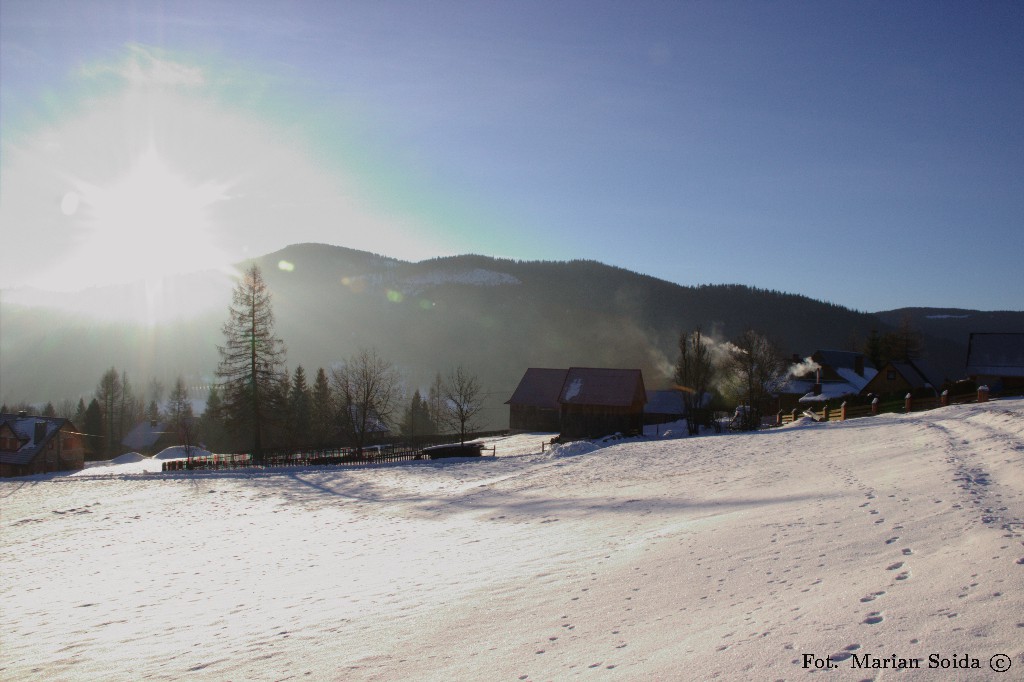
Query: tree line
point(257, 404)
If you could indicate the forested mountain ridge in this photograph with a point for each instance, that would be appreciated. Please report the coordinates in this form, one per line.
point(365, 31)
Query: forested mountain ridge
point(495, 317)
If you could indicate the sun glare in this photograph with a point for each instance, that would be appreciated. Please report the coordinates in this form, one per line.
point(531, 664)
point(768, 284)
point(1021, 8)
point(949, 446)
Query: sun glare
point(147, 224)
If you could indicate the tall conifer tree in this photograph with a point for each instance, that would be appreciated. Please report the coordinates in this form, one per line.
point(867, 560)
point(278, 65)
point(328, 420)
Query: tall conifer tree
point(251, 361)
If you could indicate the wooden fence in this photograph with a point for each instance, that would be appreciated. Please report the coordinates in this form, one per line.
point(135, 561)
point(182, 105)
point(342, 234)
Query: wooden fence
point(909, 404)
point(376, 454)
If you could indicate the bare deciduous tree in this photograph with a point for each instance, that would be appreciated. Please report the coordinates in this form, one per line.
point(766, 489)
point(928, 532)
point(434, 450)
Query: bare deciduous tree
point(694, 373)
point(460, 403)
point(368, 392)
point(756, 370)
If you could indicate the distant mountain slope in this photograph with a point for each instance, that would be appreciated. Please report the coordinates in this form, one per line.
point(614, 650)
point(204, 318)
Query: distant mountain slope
point(496, 317)
point(955, 324)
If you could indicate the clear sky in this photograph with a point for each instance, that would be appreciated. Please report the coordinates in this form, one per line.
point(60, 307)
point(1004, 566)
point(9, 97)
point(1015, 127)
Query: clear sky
point(868, 154)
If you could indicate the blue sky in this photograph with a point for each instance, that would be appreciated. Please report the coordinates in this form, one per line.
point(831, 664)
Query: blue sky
point(867, 154)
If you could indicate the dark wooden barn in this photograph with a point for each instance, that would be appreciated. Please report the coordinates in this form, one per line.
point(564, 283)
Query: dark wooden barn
point(598, 402)
point(534, 405)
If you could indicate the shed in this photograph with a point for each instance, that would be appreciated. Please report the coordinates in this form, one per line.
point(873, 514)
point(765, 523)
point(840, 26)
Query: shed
point(664, 406)
point(600, 401)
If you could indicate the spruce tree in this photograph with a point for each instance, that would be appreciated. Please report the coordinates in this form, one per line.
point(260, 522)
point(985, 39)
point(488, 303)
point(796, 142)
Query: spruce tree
point(323, 415)
point(300, 415)
point(211, 428)
point(250, 362)
point(108, 397)
point(93, 428)
point(179, 407)
point(417, 422)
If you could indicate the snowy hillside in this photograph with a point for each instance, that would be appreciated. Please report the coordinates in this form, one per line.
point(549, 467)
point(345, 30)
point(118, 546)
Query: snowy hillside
point(732, 556)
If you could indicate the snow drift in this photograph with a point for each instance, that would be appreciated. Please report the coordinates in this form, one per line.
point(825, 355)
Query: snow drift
point(181, 452)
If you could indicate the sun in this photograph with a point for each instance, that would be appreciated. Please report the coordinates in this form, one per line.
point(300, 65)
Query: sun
point(148, 223)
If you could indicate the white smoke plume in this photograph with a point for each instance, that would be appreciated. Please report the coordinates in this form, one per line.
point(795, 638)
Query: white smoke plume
point(804, 367)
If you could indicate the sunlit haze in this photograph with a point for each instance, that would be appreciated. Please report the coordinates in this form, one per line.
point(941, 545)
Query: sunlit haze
point(867, 154)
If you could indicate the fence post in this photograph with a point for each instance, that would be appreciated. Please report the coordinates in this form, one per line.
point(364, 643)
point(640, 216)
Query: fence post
point(824, 413)
point(794, 414)
point(982, 394)
point(874, 407)
point(778, 418)
point(842, 412)
point(944, 399)
point(907, 403)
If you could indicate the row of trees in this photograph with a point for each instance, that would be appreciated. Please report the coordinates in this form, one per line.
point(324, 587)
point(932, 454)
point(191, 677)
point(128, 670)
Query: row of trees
point(258, 404)
point(115, 408)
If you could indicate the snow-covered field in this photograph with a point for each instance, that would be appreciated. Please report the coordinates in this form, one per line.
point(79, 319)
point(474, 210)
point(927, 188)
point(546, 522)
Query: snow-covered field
point(730, 557)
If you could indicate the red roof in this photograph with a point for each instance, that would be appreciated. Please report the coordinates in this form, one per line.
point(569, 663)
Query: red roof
point(539, 387)
point(602, 386)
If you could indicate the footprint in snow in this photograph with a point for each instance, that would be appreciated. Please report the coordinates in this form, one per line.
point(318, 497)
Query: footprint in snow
point(872, 597)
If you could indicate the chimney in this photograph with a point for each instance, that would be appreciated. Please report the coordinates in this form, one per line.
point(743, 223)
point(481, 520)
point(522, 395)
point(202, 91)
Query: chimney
point(817, 381)
point(858, 365)
point(40, 434)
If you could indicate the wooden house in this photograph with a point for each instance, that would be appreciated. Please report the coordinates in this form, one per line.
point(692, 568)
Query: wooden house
point(825, 375)
point(900, 378)
point(31, 444)
point(534, 405)
point(598, 402)
point(996, 361)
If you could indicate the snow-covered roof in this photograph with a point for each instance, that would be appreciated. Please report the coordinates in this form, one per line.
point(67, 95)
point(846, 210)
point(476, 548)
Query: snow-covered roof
point(670, 402)
point(665, 402)
point(852, 384)
point(25, 427)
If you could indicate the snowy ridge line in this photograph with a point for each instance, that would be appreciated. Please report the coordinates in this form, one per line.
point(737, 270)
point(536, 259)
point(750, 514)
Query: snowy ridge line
point(475, 277)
